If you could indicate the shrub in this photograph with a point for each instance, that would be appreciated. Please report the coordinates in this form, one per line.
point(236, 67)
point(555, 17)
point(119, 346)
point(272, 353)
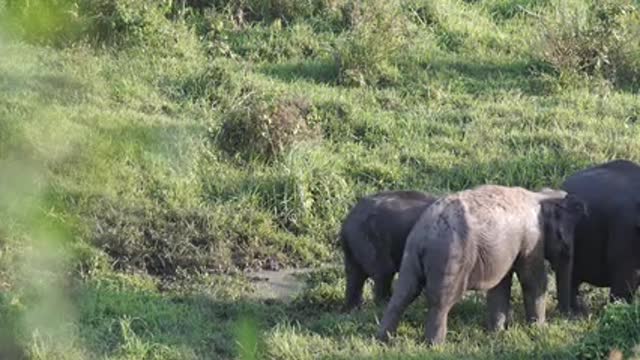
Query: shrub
point(599, 42)
point(265, 127)
point(365, 56)
point(134, 22)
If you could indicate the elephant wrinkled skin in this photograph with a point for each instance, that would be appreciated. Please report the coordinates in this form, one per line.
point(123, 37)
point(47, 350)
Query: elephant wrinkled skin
point(475, 240)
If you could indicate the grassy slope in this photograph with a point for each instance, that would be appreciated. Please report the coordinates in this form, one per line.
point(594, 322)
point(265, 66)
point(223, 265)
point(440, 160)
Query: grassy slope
point(115, 147)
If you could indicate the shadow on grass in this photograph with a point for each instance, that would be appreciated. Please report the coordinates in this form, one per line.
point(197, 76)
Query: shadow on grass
point(486, 78)
point(475, 78)
point(322, 71)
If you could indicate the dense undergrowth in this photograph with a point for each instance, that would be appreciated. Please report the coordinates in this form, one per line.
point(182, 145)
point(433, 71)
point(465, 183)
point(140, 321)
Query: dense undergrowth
point(152, 151)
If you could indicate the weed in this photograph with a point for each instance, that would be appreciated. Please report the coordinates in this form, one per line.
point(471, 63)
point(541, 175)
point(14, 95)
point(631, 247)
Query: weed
point(265, 129)
point(366, 55)
point(599, 41)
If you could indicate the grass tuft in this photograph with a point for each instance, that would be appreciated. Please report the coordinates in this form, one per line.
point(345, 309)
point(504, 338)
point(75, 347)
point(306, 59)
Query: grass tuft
point(265, 128)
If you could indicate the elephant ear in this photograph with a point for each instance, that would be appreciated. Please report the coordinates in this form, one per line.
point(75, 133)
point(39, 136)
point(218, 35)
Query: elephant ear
point(574, 207)
point(567, 212)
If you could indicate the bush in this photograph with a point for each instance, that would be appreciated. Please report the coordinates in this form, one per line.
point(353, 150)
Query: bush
point(599, 42)
point(365, 56)
point(132, 22)
point(265, 127)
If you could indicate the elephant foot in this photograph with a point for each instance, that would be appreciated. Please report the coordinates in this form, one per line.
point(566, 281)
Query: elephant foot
point(382, 336)
point(499, 323)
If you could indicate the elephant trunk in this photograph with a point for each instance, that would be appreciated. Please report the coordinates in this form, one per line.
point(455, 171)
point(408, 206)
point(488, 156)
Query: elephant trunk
point(563, 284)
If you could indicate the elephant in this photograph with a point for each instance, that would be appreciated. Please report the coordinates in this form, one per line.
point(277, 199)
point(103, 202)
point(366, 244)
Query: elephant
point(373, 237)
point(607, 241)
point(476, 239)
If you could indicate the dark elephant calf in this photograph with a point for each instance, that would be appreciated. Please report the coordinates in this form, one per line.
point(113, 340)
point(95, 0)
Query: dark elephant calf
point(373, 237)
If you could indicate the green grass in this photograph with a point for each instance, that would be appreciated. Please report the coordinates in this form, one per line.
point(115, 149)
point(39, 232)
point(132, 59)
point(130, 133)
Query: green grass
point(128, 221)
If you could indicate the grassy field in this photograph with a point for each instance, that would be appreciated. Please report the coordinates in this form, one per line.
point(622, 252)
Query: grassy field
point(153, 152)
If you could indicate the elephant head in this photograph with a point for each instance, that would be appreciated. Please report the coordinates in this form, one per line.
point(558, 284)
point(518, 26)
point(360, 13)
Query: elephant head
point(561, 213)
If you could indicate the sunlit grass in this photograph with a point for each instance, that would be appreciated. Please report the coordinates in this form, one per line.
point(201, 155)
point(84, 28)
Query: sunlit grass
point(123, 226)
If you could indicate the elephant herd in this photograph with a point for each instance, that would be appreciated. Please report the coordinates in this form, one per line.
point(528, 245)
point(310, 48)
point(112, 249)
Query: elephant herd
point(478, 238)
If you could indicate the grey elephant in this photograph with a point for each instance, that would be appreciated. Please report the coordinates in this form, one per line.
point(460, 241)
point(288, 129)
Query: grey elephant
point(373, 236)
point(607, 240)
point(475, 240)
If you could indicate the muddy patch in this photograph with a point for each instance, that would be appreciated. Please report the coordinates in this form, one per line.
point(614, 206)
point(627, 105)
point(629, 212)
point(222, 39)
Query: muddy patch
point(281, 285)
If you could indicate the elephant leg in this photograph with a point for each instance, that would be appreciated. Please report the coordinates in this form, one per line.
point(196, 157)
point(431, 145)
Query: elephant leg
point(499, 304)
point(382, 287)
point(444, 289)
point(435, 327)
point(533, 280)
point(410, 282)
point(624, 284)
point(356, 278)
